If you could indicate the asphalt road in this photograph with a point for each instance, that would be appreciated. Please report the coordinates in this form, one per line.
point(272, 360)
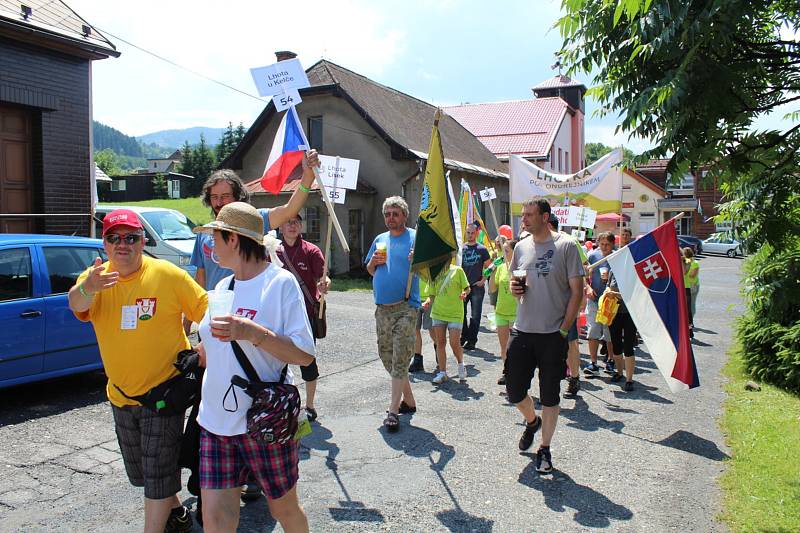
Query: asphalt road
point(641, 461)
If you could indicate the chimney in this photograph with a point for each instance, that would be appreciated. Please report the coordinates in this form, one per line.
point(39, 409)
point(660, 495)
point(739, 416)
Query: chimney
point(283, 55)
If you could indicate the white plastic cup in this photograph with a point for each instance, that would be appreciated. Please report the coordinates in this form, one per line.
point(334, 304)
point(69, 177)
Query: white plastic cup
point(220, 302)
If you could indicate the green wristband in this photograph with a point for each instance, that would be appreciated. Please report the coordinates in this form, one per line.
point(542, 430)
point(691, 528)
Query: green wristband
point(304, 188)
point(564, 332)
point(87, 295)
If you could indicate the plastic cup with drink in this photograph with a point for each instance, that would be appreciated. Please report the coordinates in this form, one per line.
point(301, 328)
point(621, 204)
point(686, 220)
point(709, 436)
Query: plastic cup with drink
point(220, 303)
point(603, 272)
point(520, 278)
point(380, 248)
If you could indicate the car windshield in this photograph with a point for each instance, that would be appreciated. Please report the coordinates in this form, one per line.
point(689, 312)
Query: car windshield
point(170, 225)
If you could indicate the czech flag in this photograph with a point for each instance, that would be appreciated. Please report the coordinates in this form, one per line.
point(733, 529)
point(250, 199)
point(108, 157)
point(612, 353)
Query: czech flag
point(286, 155)
point(649, 272)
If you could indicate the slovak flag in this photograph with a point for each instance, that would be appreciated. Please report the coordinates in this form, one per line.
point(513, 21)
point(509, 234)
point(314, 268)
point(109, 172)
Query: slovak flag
point(286, 155)
point(649, 273)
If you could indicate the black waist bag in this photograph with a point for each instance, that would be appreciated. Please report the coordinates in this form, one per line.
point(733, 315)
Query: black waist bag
point(176, 394)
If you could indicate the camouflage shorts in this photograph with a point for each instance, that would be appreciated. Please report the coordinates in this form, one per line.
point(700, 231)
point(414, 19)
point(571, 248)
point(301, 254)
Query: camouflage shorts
point(396, 329)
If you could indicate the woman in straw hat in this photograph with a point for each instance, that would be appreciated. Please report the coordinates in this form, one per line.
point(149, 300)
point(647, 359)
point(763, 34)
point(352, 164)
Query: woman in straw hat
point(268, 321)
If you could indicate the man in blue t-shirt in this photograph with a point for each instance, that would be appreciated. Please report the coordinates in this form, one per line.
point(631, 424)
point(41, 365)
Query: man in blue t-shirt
point(474, 258)
point(389, 263)
point(223, 187)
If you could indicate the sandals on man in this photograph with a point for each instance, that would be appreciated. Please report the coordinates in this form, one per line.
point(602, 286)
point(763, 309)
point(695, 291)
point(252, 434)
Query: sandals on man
point(391, 422)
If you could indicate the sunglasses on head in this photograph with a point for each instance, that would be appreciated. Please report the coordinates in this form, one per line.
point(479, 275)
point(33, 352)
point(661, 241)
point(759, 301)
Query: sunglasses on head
point(130, 238)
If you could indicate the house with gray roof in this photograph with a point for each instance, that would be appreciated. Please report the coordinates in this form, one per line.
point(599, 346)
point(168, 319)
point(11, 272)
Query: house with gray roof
point(349, 115)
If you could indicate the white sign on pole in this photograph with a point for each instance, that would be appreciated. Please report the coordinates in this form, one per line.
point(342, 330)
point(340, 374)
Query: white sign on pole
point(285, 100)
point(582, 217)
point(338, 172)
point(337, 195)
point(279, 77)
point(579, 234)
point(488, 194)
point(562, 212)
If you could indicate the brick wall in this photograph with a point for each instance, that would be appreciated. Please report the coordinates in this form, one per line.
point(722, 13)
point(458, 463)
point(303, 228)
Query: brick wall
point(56, 87)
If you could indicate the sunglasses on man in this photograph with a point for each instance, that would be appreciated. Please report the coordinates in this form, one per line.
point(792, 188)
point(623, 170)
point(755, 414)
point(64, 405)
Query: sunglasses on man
point(130, 238)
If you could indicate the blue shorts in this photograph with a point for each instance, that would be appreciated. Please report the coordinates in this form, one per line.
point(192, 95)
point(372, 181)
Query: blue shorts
point(436, 323)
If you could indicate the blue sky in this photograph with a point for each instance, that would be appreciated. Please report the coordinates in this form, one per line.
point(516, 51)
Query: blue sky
point(445, 52)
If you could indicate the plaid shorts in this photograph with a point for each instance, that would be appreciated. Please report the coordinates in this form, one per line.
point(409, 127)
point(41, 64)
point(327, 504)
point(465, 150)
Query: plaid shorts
point(225, 463)
point(150, 446)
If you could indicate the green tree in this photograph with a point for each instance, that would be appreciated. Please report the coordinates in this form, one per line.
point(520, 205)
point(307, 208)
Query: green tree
point(107, 161)
point(160, 187)
point(238, 134)
point(694, 77)
point(204, 161)
point(594, 151)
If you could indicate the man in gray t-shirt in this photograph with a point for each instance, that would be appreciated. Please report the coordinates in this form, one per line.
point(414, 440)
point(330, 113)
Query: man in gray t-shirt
point(549, 300)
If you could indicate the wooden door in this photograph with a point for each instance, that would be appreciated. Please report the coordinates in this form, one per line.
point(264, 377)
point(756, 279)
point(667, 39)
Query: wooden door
point(16, 170)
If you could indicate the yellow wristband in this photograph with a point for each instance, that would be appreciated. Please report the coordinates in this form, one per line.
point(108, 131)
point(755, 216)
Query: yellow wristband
point(304, 188)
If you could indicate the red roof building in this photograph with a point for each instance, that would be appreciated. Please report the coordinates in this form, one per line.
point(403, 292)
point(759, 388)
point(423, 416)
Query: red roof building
point(547, 129)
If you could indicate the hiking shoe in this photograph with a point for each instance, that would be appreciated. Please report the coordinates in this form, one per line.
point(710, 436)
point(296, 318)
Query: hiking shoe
point(179, 520)
point(462, 372)
point(416, 364)
point(591, 369)
point(440, 377)
point(502, 379)
point(616, 377)
point(544, 461)
point(573, 386)
point(531, 428)
point(611, 368)
point(251, 492)
point(628, 386)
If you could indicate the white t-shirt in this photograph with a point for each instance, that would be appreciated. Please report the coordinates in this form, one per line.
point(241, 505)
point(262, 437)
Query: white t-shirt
point(274, 300)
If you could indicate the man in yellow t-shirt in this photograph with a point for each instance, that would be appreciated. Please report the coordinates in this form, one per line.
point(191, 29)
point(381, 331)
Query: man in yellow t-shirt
point(136, 305)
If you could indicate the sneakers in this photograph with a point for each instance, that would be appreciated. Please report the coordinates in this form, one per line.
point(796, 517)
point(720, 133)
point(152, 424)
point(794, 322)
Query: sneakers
point(617, 377)
point(251, 492)
point(573, 386)
point(462, 372)
point(591, 369)
point(440, 377)
point(179, 520)
point(469, 346)
point(628, 386)
point(502, 379)
point(544, 461)
point(531, 428)
point(611, 368)
point(416, 364)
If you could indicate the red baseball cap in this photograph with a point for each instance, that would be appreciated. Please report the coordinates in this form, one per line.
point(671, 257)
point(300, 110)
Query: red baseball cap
point(121, 217)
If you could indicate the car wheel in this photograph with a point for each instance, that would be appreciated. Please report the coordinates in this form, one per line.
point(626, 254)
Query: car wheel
point(731, 252)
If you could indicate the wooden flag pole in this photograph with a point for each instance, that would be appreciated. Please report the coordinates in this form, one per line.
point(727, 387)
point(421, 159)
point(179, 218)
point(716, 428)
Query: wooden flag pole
point(325, 264)
point(494, 217)
point(321, 185)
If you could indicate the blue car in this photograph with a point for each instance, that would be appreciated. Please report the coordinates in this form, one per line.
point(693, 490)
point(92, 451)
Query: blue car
point(41, 337)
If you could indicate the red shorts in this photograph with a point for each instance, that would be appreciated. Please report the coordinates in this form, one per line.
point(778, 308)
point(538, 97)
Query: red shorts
point(226, 461)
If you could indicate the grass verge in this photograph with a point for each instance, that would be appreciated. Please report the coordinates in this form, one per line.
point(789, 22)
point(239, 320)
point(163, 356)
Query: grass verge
point(191, 207)
point(762, 482)
point(345, 284)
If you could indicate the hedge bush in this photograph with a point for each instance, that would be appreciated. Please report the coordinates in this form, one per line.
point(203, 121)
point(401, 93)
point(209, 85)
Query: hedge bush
point(770, 328)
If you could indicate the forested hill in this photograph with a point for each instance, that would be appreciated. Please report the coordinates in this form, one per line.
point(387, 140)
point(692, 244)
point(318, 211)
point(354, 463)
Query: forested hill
point(108, 137)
